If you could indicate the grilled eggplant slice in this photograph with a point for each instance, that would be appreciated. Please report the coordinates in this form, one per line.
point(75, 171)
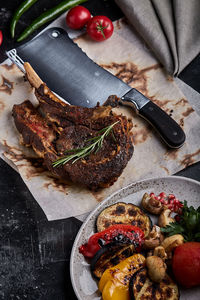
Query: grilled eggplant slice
point(123, 213)
point(142, 288)
point(109, 256)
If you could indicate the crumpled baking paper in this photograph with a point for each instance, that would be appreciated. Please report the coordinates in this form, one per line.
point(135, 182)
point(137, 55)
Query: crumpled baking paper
point(126, 56)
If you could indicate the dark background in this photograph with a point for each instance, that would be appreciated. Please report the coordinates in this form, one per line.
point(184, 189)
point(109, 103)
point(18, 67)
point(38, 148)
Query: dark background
point(35, 253)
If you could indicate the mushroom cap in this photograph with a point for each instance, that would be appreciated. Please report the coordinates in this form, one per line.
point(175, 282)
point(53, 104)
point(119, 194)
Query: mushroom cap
point(151, 204)
point(172, 241)
point(156, 268)
point(164, 218)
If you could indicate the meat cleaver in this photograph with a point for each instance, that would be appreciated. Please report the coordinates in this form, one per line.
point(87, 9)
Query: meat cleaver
point(71, 74)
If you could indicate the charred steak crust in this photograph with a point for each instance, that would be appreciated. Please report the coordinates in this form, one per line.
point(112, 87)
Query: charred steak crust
point(54, 126)
point(35, 131)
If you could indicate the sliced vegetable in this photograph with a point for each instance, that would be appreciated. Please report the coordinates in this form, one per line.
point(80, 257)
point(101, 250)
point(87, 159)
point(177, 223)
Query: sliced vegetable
point(123, 213)
point(109, 256)
point(114, 283)
point(49, 15)
point(186, 264)
point(77, 17)
point(18, 13)
point(100, 28)
point(1, 37)
point(142, 288)
point(126, 234)
point(188, 224)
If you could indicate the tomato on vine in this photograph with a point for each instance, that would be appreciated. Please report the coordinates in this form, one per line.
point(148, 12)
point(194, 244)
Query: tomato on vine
point(100, 28)
point(77, 17)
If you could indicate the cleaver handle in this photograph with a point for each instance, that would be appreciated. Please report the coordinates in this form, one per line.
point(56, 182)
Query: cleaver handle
point(168, 129)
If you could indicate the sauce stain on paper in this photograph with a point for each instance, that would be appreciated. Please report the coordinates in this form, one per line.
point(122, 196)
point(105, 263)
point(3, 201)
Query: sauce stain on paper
point(166, 170)
point(172, 154)
point(8, 67)
point(161, 103)
point(188, 112)
point(58, 184)
point(181, 122)
point(35, 167)
point(22, 160)
point(131, 74)
point(2, 106)
point(184, 103)
point(170, 78)
point(189, 159)
point(141, 135)
point(181, 102)
point(6, 86)
point(97, 195)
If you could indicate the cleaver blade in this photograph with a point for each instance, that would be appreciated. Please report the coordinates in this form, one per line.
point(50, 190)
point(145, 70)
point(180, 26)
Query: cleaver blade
point(71, 74)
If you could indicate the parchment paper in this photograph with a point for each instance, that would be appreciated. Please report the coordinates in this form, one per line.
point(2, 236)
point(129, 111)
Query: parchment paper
point(126, 56)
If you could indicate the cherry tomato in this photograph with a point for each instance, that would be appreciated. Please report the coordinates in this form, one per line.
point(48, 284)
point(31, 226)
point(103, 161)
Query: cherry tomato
point(1, 37)
point(100, 28)
point(77, 17)
point(186, 264)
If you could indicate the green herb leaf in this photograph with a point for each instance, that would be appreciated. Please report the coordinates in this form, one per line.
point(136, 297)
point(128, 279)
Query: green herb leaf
point(173, 228)
point(188, 226)
point(87, 150)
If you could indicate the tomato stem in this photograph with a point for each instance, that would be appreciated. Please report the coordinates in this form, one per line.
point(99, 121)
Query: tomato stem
point(100, 28)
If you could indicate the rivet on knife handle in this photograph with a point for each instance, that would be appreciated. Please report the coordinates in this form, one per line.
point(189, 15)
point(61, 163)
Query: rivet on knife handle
point(169, 130)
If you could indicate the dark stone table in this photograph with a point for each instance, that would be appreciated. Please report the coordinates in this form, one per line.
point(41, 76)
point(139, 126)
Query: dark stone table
point(35, 253)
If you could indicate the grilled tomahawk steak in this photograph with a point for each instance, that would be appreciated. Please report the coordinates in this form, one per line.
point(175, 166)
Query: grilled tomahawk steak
point(55, 126)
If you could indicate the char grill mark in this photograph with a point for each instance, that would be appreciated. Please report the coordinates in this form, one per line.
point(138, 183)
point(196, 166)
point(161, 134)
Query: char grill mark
point(55, 126)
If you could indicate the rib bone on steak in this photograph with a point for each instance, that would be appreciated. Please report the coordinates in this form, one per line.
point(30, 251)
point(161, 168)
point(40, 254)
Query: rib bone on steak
point(54, 126)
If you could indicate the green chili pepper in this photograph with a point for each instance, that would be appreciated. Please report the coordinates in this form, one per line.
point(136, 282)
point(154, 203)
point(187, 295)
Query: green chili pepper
point(48, 16)
point(18, 13)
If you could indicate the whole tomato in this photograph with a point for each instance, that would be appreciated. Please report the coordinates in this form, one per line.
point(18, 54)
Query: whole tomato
point(77, 17)
point(186, 264)
point(100, 28)
point(1, 37)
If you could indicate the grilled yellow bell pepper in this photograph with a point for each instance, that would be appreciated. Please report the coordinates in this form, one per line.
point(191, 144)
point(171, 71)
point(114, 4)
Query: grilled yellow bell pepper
point(114, 283)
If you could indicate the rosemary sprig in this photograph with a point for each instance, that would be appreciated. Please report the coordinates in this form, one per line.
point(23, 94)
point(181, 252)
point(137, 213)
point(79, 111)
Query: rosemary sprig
point(87, 150)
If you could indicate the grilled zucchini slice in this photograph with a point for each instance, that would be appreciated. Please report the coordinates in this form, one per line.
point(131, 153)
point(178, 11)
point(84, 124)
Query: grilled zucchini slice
point(123, 213)
point(109, 256)
point(142, 288)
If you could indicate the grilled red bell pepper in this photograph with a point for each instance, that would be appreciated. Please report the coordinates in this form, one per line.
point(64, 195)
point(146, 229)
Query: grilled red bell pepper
point(119, 233)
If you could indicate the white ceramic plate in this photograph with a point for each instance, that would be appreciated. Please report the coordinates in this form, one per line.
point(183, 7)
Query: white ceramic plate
point(84, 285)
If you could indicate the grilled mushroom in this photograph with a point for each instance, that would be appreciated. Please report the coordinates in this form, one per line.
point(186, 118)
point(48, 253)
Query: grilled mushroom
point(154, 238)
point(172, 242)
point(151, 204)
point(164, 218)
point(156, 268)
point(160, 252)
